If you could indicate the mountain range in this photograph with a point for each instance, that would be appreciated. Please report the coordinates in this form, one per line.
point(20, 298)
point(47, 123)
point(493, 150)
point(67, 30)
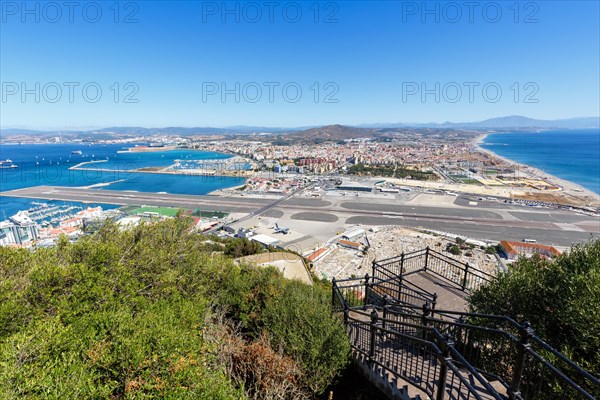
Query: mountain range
point(509, 122)
point(330, 132)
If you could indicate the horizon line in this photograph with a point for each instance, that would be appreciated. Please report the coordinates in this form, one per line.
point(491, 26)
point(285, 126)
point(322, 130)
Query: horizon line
point(307, 126)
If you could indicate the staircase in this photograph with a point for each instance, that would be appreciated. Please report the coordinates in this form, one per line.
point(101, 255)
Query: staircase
point(413, 339)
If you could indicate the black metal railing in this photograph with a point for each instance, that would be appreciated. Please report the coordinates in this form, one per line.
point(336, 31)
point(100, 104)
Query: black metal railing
point(463, 275)
point(430, 363)
point(358, 292)
point(395, 325)
point(511, 353)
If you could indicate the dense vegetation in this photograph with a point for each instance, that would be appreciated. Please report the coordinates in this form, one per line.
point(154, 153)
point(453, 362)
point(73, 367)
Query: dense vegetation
point(392, 171)
point(157, 312)
point(240, 247)
point(560, 298)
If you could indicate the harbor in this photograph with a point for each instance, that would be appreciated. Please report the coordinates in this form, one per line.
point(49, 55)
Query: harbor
point(233, 166)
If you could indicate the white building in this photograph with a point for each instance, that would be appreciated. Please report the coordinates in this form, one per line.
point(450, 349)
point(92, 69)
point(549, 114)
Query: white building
point(265, 240)
point(353, 234)
point(7, 233)
point(19, 229)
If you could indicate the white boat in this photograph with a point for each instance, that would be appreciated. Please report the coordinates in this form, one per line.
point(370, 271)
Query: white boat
point(7, 164)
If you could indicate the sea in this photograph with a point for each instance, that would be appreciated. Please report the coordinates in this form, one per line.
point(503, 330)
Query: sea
point(572, 155)
point(48, 164)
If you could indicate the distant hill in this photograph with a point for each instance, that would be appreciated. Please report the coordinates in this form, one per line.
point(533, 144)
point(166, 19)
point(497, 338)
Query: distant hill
point(16, 134)
point(331, 132)
point(169, 131)
point(507, 122)
point(137, 130)
point(335, 133)
point(310, 133)
point(519, 121)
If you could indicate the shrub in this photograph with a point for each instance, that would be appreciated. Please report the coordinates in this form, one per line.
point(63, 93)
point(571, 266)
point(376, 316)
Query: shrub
point(300, 321)
point(240, 247)
point(560, 298)
point(453, 249)
point(122, 314)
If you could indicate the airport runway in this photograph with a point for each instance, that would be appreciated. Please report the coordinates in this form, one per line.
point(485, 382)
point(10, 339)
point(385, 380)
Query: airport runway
point(120, 197)
point(556, 227)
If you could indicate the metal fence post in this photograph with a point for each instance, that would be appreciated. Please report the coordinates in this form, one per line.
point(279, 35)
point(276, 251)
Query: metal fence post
point(373, 264)
point(426, 311)
point(526, 332)
point(399, 296)
point(433, 303)
point(366, 301)
point(402, 264)
point(373, 336)
point(333, 285)
point(426, 258)
point(444, 359)
point(385, 306)
point(464, 282)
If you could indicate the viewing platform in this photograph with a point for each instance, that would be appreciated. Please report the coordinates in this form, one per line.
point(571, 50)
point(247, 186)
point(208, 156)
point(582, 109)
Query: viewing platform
point(413, 338)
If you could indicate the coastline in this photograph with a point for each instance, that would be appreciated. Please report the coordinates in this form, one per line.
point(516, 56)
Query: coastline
point(567, 187)
point(166, 171)
point(219, 172)
point(222, 191)
point(107, 166)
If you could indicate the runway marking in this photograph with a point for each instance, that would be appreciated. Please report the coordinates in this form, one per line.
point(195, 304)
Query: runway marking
point(247, 205)
point(568, 227)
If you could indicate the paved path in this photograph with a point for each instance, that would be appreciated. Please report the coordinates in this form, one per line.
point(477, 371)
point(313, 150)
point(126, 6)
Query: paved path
point(417, 364)
point(450, 297)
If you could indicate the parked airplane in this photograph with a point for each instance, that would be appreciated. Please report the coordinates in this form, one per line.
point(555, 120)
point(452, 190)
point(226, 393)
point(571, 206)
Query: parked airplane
point(281, 230)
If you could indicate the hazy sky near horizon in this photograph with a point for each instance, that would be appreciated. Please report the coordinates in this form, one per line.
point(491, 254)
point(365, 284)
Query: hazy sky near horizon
point(279, 63)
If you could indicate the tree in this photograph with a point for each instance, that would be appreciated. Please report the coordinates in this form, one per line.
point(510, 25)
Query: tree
point(240, 247)
point(560, 298)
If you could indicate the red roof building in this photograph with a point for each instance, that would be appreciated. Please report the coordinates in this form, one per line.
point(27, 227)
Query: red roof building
point(349, 244)
point(515, 249)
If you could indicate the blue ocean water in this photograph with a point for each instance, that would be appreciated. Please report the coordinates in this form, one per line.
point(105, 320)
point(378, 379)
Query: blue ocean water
point(48, 164)
point(573, 155)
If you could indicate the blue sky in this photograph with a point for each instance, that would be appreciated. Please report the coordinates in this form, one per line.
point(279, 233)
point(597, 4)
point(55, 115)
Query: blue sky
point(201, 63)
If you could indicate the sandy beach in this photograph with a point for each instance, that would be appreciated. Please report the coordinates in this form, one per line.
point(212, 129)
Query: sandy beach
point(568, 188)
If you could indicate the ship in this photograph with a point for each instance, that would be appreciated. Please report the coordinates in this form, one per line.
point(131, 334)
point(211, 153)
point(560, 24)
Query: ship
point(78, 152)
point(7, 164)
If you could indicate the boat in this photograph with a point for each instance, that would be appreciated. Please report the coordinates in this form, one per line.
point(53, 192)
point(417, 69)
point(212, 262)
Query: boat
point(78, 152)
point(7, 164)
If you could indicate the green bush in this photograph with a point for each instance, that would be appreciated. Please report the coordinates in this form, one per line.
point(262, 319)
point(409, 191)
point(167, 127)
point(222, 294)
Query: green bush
point(123, 314)
point(300, 321)
point(240, 247)
point(453, 249)
point(560, 298)
point(296, 317)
